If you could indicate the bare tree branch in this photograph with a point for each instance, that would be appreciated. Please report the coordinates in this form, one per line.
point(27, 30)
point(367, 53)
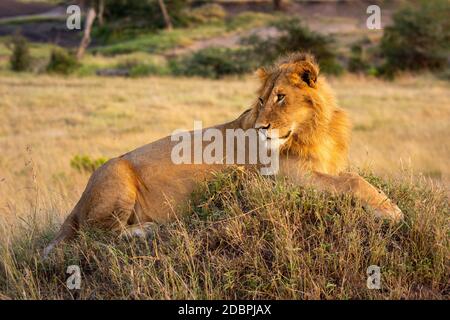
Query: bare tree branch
point(101, 10)
point(165, 15)
point(90, 17)
point(277, 4)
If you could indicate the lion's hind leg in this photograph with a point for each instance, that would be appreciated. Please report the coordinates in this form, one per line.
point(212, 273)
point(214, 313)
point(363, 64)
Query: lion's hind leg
point(107, 203)
point(113, 197)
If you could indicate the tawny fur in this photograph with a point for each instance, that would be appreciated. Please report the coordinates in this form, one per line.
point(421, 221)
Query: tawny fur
point(145, 186)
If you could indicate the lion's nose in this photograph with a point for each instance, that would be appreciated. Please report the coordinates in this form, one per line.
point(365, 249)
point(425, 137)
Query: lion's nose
point(262, 126)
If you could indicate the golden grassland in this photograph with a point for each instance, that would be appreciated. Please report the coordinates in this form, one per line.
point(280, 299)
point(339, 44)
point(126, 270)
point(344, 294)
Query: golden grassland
point(401, 131)
point(46, 121)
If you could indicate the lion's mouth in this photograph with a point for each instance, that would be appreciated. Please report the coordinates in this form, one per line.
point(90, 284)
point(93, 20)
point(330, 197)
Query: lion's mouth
point(281, 138)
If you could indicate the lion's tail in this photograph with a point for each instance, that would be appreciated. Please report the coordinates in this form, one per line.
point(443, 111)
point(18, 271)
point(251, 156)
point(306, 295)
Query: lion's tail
point(68, 230)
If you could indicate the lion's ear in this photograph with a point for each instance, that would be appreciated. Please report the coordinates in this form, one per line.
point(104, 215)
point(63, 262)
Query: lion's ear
point(308, 73)
point(262, 74)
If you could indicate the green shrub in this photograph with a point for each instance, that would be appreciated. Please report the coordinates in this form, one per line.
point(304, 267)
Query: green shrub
point(209, 12)
point(84, 163)
point(146, 69)
point(419, 38)
point(295, 37)
point(357, 62)
point(108, 33)
point(445, 75)
point(248, 19)
point(137, 68)
point(61, 61)
point(373, 71)
point(20, 59)
point(125, 14)
point(213, 62)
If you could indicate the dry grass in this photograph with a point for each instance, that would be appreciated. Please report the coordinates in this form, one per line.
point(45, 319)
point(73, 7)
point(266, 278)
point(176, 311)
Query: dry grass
point(246, 237)
point(46, 121)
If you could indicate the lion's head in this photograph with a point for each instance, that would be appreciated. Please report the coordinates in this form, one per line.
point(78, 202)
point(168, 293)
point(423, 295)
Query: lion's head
point(294, 102)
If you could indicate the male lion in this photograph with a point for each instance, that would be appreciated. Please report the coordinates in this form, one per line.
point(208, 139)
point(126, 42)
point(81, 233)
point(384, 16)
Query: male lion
point(141, 187)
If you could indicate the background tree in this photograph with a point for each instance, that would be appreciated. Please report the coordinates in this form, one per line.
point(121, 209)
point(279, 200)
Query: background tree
point(91, 14)
point(277, 4)
point(166, 16)
point(20, 59)
point(125, 15)
point(93, 9)
point(419, 38)
point(101, 12)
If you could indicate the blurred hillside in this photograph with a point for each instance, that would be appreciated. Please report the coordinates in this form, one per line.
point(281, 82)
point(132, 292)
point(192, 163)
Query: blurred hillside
point(132, 38)
point(130, 35)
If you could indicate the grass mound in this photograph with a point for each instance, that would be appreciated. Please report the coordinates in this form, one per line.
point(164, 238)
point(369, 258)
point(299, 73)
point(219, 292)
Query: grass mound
point(248, 237)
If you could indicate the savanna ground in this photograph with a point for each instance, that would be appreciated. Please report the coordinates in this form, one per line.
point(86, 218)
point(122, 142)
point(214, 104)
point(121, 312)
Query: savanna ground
point(243, 236)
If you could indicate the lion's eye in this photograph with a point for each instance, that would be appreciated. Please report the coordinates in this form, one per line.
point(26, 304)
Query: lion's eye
point(261, 102)
point(280, 97)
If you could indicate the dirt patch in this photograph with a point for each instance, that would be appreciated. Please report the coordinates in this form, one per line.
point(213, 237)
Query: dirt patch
point(54, 32)
point(13, 8)
point(341, 18)
point(345, 20)
point(226, 41)
point(42, 22)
